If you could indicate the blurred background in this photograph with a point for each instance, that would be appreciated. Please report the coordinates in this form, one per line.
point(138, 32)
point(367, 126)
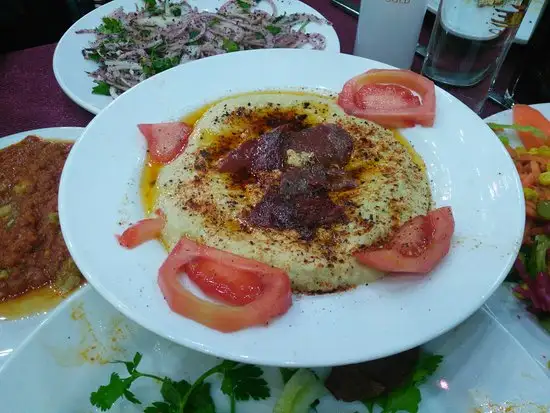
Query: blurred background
point(28, 23)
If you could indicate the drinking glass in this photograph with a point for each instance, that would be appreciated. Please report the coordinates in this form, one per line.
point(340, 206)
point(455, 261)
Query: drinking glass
point(469, 42)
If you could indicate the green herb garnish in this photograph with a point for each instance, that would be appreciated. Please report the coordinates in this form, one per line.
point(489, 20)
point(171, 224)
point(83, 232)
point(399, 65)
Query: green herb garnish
point(273, 29)
point(407, 398)
point(94, 56)
point(244, 5)
point(213, 22)
point(110, 26)
point(150, 5)
point(176, 11)
point(159, 64)
point(239, 382)
point(102, 88)
point(230, 46)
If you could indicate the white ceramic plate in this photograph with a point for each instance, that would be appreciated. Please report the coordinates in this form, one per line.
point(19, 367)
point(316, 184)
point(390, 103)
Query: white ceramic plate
point(507, 308)
point(482, 365)
point(467, 165)
point(70, 67)
point(13, 332)
point(528, 25)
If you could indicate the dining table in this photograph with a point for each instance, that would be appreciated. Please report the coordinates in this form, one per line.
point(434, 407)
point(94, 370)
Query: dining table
point(30, 97)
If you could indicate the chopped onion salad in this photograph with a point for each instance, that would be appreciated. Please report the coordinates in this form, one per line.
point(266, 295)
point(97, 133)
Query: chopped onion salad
point(161, 34)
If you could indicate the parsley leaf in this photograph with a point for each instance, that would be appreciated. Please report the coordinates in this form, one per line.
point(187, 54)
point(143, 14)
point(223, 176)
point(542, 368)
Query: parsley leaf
point(110, 26)
point(158, 407)
point(406, 399)
point(426, 366)
point(246, 382)
point(273, 29)
point(230, 46)
point(287, 373)
point(94, 56)
point(107, 395)
point(176, 11)
point(201, 400)
point(244, 5)
point(102, 88)
point(150, 5)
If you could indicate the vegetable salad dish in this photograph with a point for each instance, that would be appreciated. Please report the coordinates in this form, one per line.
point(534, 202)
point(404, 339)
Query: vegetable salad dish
point(130, 47)
point(532, 161)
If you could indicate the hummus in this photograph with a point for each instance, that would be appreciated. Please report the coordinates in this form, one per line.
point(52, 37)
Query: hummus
point(209, 206)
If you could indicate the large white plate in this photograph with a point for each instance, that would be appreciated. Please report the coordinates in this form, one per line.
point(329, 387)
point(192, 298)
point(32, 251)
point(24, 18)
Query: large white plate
point(483, 367)
point(13, 332)
point(70, 68)
point(503, 304)
point(467, 165)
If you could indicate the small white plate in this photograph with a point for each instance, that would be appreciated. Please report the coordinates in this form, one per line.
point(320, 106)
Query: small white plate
point(483, 367)
point(70, 68)
point(368, 322)
point(13, 332)
point(507, 308)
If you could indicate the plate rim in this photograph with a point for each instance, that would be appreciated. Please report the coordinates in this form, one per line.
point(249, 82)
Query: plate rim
point(69, 33)
point(139, 319)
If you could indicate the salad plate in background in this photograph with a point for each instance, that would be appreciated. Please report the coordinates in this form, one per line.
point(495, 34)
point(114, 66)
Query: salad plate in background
point(532, 332)
point(72, 69)
point(478, 367)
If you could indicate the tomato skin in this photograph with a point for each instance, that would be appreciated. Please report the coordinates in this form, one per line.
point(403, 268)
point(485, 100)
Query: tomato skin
point(387, 113)
point(142, 231)
point(527, 116)
point(227, 284)
point(165, 141)
point(418, 246)
point(274, 301)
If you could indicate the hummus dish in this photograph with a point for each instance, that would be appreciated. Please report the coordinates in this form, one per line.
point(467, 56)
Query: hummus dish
point(290, 180)
point(263, 195)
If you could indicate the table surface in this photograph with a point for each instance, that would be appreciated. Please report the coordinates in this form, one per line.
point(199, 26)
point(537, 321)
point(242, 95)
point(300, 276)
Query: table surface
point(30, 97)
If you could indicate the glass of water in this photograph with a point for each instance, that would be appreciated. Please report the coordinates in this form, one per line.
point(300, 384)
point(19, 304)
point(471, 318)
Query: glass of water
point(469, 42)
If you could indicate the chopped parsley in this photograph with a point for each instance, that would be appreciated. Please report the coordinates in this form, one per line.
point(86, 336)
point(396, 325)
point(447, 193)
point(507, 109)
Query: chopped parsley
point(230, 46)
point(94, 56)
point(239, 382)
point(273, 29)
point(110, 26)
point(176, 11)
point(244, 4)
point(102, 88)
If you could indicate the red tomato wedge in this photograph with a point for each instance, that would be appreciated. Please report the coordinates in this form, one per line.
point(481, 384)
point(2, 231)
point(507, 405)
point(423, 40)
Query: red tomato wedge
point(527, 116)
point(418, 246)
point(274, 300)
point(228, 284)
point(142, 231)
point(165, 141)
point(390, 97)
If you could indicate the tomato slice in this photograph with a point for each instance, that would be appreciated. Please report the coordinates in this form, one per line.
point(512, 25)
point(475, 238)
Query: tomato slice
point(165, 141)
point(418, 246)
point(142, 231)
point(527, 116)
point(220, 281)
point(399, 98)
point(274, 300)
